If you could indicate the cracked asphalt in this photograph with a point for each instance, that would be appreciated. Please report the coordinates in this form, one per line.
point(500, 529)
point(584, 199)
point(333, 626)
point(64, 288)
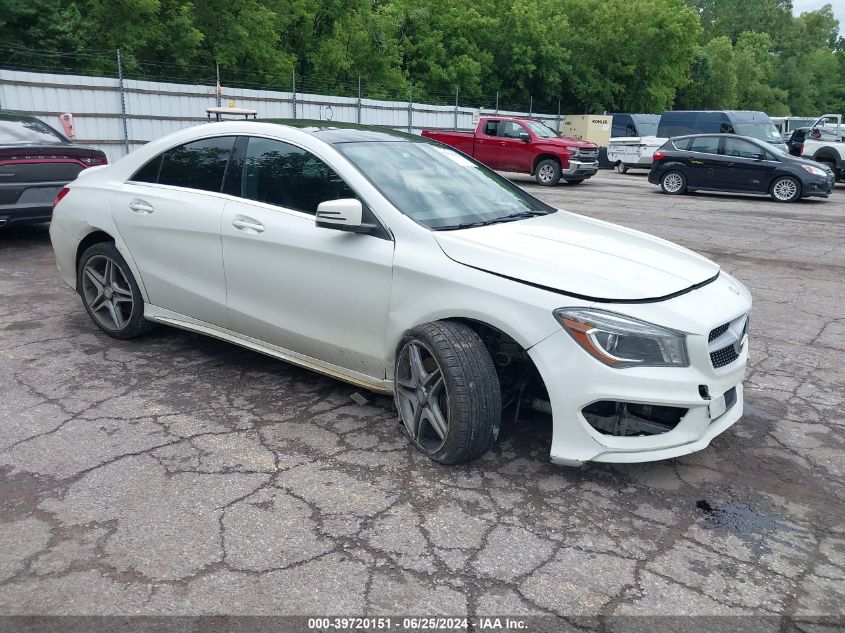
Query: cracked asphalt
point(181, 475)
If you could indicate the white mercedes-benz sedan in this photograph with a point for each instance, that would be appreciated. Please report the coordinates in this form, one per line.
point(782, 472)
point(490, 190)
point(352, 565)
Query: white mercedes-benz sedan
point(400, 265)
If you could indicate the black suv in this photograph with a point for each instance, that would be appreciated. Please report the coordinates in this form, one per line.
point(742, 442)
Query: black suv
point(738, 164)
point(36, 161)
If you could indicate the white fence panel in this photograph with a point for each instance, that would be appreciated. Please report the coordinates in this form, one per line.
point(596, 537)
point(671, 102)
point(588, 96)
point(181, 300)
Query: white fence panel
point(154, 109)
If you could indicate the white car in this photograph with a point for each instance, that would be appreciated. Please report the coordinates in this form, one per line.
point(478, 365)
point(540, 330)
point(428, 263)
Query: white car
point(404, 267)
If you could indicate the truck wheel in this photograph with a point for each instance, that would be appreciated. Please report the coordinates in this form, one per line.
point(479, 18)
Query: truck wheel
point(447, 392)
point(547, 172)
point(673, 183)
point(573, 181)
point(785, 189)
point(622, 168)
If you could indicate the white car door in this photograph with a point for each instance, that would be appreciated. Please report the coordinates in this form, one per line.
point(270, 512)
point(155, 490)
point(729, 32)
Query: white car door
point(319, 292)
point(168, 214)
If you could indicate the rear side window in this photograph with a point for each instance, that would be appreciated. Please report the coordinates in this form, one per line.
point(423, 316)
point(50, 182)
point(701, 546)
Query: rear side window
point(26, 130)
point(681, 143)
point(198, 165)
point(705, 145)
point(491, 128)
point(287, 176)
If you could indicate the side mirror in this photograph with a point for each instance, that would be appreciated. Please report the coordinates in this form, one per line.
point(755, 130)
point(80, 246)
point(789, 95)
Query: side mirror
point(342, 215)
point(759, 156)
point(523, 136)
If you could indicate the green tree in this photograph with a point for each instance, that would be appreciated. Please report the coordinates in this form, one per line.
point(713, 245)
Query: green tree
point(713, 82)
point(755, 74)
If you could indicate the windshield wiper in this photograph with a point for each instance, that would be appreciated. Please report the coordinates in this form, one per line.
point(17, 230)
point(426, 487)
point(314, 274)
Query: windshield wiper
point(505, 218)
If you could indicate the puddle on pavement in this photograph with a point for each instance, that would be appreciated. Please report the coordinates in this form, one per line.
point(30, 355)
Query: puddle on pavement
point(744, 522)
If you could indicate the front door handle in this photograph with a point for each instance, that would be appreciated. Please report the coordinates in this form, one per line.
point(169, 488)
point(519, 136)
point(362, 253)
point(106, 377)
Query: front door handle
point(139, 206)
point(248, 224)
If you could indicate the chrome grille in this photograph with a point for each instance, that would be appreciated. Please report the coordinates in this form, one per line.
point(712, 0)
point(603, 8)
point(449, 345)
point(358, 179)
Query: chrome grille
point(725, 343)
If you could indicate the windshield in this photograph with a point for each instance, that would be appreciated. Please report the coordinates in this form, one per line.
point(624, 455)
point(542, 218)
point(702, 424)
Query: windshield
point(541, 129)
point(439, 187)
point(647, 128)
point(763, 131)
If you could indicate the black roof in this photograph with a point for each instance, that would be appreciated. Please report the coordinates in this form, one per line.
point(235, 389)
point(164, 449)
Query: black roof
point(335, 132)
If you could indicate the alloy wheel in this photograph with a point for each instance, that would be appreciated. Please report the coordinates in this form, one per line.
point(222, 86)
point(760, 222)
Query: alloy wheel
point(546, 173)
point(107, 292)
point(785, 189)
point(672, 182)
point(421, 397)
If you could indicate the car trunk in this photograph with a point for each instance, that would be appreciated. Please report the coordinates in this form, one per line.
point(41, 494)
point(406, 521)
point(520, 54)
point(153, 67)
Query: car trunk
point(32, 175)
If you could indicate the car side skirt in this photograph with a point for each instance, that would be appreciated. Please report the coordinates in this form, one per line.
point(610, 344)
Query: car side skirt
point(168, 317)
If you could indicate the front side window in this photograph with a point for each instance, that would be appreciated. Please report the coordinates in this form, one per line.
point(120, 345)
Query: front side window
point(287, 176)
point(740, 148)
point(197, 165)
point(437, 186)
point(541, 129)
point(511, 129)
point(705, 145)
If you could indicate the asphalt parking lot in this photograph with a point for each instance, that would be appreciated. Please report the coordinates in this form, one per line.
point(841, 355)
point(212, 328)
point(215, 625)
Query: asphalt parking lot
point(179, 474)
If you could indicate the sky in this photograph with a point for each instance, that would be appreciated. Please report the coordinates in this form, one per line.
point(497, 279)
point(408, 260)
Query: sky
point(799, 6)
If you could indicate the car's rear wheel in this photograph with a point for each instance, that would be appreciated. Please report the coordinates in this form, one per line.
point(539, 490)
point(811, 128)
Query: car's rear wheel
point(547, 172)
point(673, 183)
point(622, 168)
point(447, 392)
point(109, 292)
point(785, 189)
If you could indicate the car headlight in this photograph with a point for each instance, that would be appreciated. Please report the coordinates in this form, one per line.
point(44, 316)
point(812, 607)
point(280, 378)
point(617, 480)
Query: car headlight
point(621, 341)
point(815, 170)
point(573, 149)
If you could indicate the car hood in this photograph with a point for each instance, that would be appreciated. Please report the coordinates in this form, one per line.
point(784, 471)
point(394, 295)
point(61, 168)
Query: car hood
point(579, 256)
point(567, 141)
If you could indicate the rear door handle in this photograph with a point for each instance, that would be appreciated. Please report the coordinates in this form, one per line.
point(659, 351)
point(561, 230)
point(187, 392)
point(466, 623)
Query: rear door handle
point(248, 224)
point(139, 206)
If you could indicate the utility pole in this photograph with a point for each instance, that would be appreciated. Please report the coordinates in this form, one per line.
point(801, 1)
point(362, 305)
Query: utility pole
point(457, 95)
point(410, 108)
point(293, 91)
point(122, 102)
point(497, 102)
point(217, 87)
point(359, 99)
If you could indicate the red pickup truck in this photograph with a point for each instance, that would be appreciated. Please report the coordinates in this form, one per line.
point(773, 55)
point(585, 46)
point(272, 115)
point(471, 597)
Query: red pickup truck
point(525, 146)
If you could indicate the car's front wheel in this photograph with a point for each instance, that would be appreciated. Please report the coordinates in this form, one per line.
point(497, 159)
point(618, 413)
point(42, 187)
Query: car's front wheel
point(447, 392)
point(547, 172)
point(109, 292)
point(785, 189)
point(673, 183)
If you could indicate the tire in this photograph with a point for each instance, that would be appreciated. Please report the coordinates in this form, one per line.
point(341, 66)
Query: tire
point(574, 181)
point(109, 292)
point(467, 386)
point(673, 182)
point(785, 189)
point(547, 172)
point(622, 168)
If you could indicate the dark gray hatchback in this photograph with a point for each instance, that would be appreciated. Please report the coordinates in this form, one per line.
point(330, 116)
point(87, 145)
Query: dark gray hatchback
point(36, 161)
point(738, 164)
